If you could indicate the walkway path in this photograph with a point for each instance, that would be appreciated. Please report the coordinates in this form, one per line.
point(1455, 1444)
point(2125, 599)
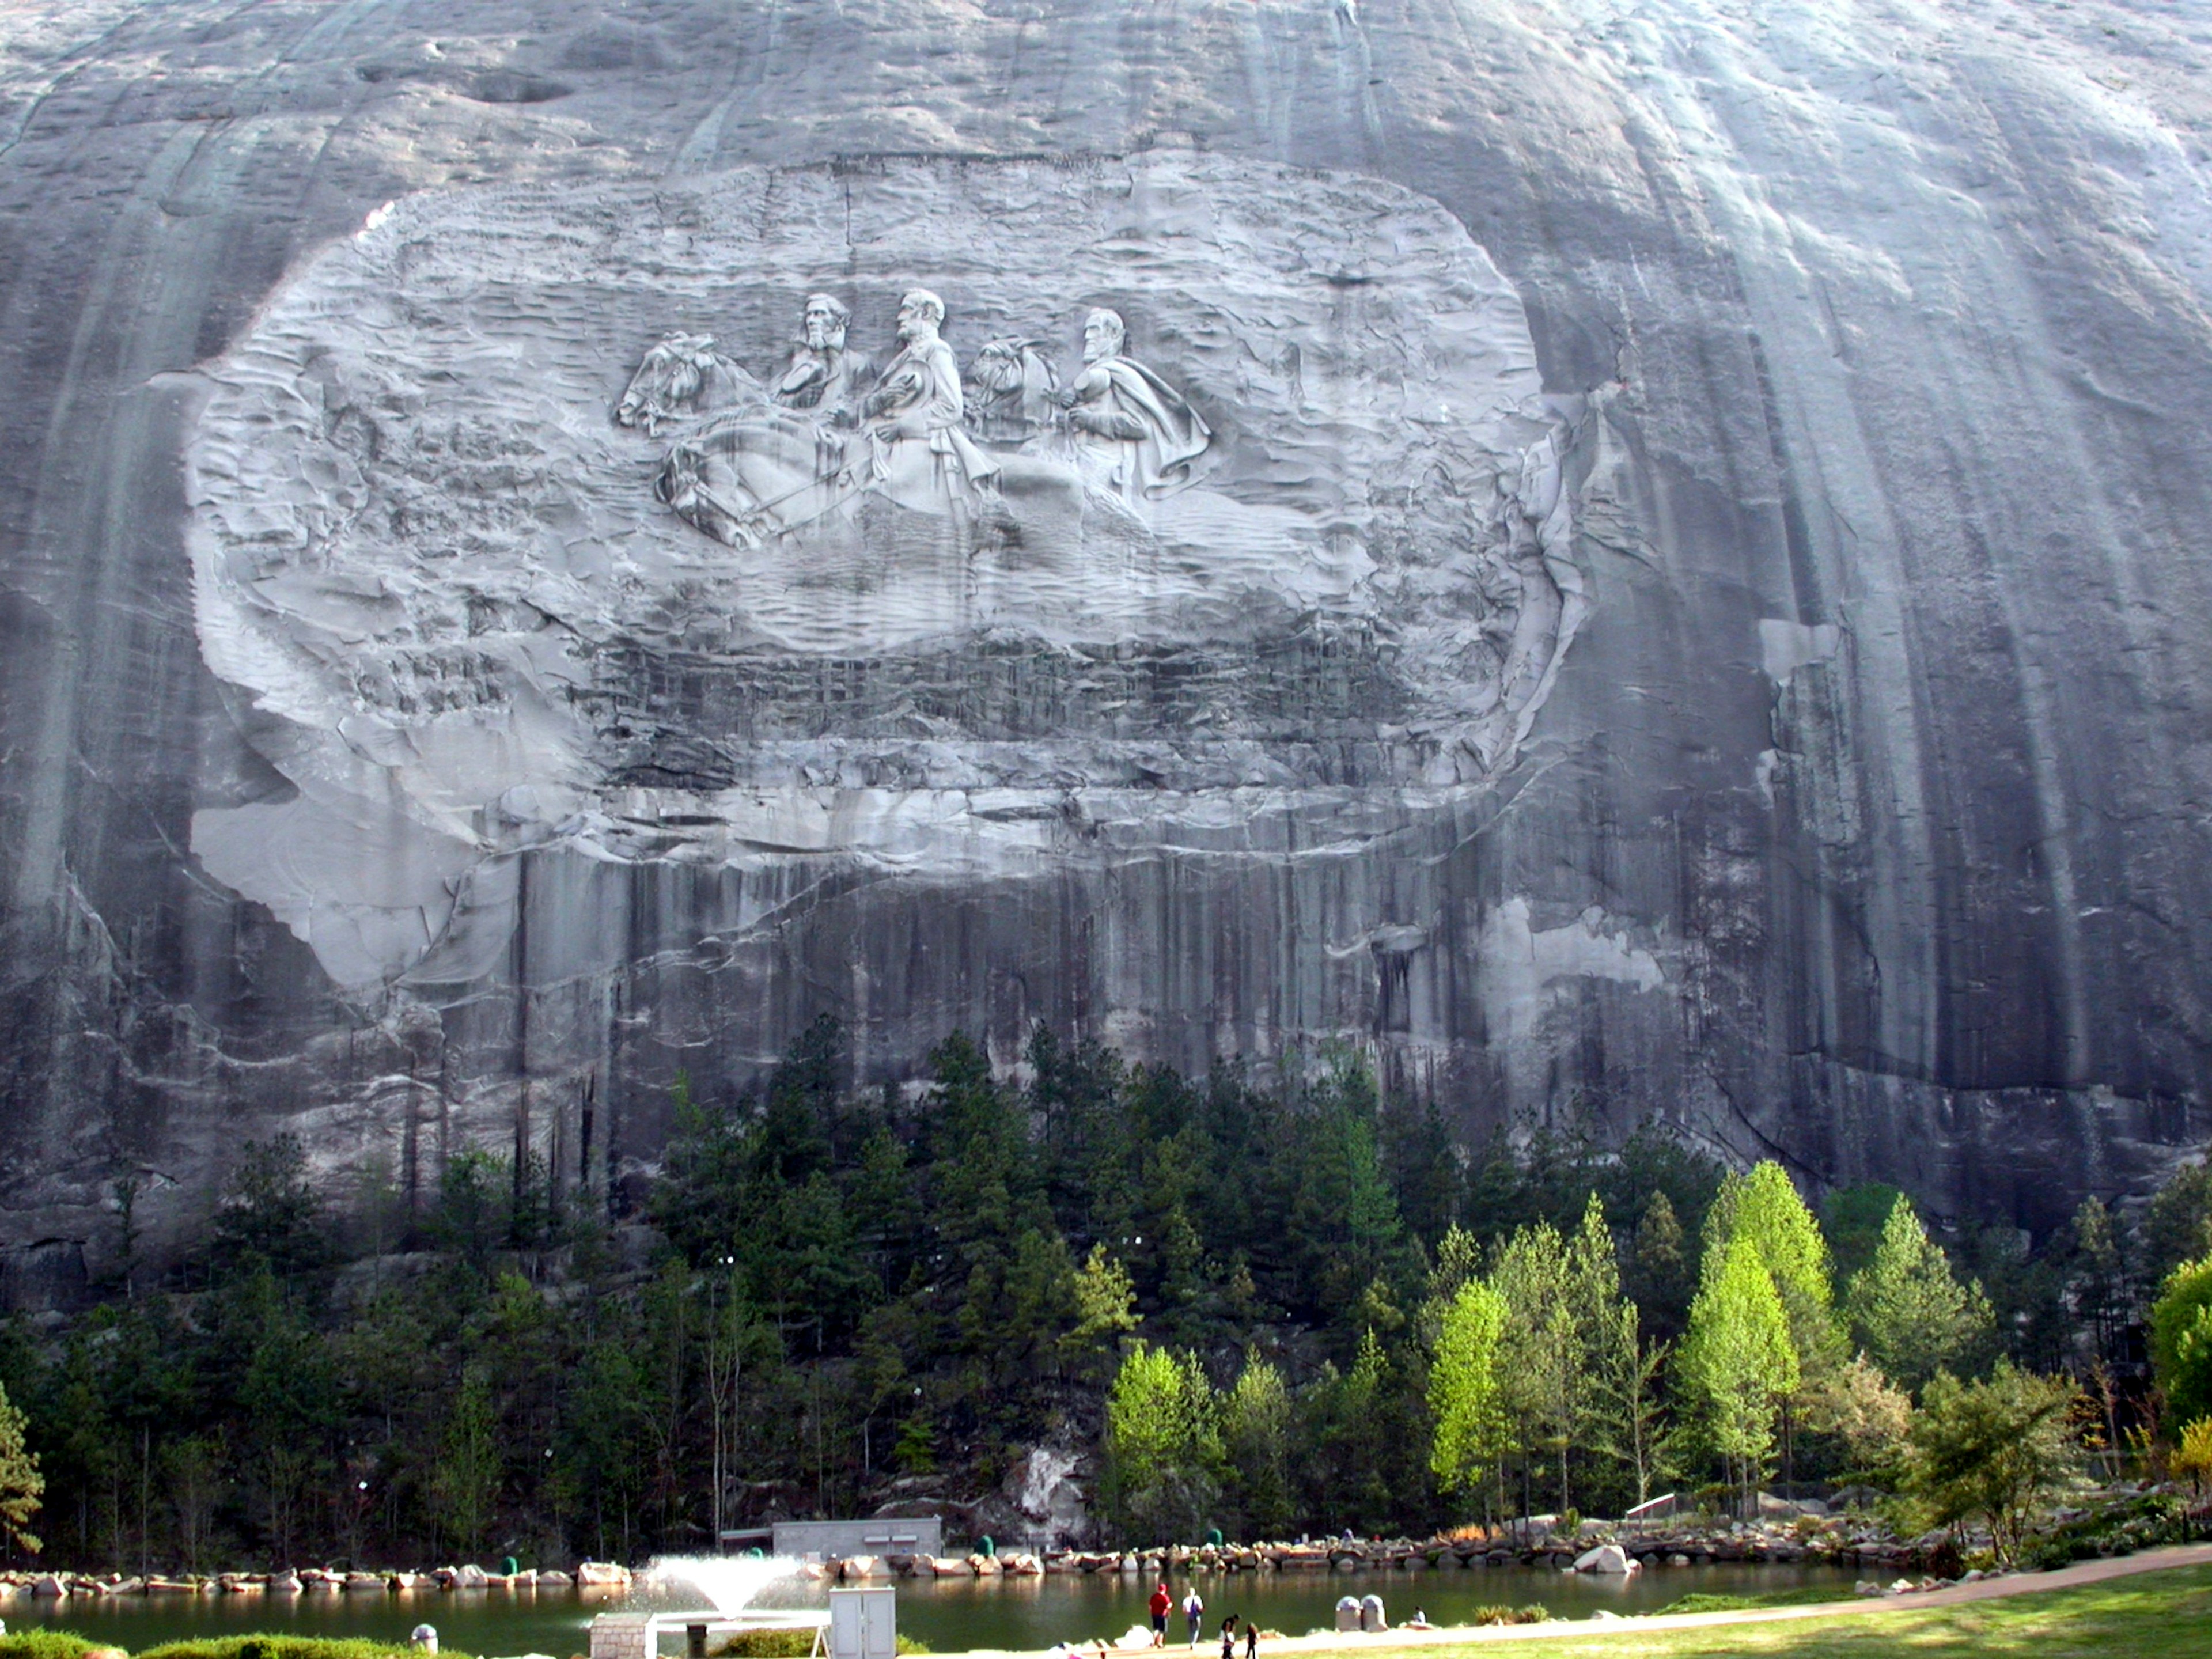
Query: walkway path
point(2017, 1584)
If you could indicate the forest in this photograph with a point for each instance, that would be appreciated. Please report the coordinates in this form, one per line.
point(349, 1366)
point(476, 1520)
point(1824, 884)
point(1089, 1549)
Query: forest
point(1275, 1309)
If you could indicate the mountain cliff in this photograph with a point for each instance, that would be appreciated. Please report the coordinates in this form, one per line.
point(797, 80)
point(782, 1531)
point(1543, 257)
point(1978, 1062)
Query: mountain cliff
point(1688, 598)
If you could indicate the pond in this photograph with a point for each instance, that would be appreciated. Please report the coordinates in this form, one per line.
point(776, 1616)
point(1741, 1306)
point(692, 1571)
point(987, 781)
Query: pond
point(948, 1615)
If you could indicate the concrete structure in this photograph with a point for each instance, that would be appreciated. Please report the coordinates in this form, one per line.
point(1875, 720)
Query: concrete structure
point(834, 1540)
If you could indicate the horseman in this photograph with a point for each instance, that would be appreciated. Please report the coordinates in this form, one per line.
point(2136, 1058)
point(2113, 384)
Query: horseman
point(825, 378)
point(920, 457)
point(1134, 434)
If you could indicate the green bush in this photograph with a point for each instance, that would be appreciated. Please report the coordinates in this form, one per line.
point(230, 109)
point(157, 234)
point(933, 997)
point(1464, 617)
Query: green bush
point(767, 1644)
point(785, 1645)
point(1498, 1613)
point(265, 1646)
point(44, 1644)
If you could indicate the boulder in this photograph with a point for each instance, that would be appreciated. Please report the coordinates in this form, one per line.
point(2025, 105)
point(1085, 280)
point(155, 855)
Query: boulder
point(1021, 1565)
point(366, 1584)
point(49, 1585)
point(604, 1573)
point(983, 1566)
point(1609, 1560)
point(547, 1578)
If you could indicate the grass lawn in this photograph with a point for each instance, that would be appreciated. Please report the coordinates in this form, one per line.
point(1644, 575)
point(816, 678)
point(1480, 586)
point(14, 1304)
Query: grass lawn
point(2154, 1615)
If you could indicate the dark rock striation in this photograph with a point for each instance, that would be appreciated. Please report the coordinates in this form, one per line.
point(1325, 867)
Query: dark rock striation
point(1825, 761)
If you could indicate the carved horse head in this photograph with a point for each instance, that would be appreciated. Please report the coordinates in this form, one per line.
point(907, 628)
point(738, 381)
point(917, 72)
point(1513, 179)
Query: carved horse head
point(683, 375)
point(1011, 383)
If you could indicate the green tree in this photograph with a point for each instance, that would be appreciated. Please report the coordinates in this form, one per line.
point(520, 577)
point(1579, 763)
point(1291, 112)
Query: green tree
point(1764, 1207)
point(1852, 1220)
point(1737, 1362)
point(467, 1484)
point(21, 1486)
point(2178, 1227)
point(1541, 1351)
point(2181, 1340)
point(269, 1217)
point(1867, 1413)
point(1907, 1310)
point(1994, 1449)
point(1466, 1399)
point(2098, 1283)
point(1255, 1434)
point(1163, 1443)
point(1662, 1276)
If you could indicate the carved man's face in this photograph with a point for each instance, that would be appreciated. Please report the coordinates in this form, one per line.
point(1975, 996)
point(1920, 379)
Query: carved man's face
point(915, 322)
point(824, 331)
point(1102, 337)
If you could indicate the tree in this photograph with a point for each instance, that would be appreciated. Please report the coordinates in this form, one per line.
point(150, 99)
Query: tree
point(21, 1486)
point(2178, 1227)
point(1852, 1221)
point(1907, 1310)
point(1466, 1401)
point(1659, 1279)
point(1763, 1206)
point(2099, 1281)
point(1869, 1414)
point(1163, 1443)
point(2181, 1340)
point(1539, 1352)
point(1994, 1449)
point(1737, 1362)
point(1105, 1305)
point(467, 1479)
point(1255, 1434)
point(271, 1216)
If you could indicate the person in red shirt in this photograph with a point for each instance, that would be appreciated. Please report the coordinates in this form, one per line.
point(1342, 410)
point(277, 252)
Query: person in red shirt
point(1162, 1604)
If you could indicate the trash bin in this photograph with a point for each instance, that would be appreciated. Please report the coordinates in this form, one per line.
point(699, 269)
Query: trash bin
point(1347, 1613)
point(1371, 1615)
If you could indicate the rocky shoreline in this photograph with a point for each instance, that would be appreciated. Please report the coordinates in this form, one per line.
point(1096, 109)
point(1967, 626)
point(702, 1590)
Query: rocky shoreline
point(1833, 1542)
point(588, 1576)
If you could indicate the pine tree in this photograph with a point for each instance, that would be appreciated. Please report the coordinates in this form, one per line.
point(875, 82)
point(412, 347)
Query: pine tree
point(1908, 1311)
point(21, 1486)
point(1737, 1362)
point(1466, 1401)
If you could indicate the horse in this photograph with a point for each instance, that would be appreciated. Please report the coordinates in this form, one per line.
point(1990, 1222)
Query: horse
point(1011, 387)
point(685, 376)
point(749, 475)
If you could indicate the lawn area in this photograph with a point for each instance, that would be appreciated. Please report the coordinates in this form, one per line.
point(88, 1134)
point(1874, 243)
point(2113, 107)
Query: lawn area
point(2155, 1615)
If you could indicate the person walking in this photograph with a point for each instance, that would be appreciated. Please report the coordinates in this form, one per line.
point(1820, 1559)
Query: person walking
point(1229, 1638)
point(1251, 1638)
point(1193, 1609)
point(1161, 1603)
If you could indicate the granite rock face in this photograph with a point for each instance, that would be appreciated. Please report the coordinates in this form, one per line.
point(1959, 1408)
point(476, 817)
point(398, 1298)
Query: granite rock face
point(1692, 600)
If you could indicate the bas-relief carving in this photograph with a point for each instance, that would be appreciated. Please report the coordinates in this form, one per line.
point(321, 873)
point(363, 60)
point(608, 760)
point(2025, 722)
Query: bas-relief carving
point(749, 473)
point(1311, 540)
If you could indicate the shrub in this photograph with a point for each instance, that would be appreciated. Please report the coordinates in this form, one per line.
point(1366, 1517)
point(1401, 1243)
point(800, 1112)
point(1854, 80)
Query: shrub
point(2194, 1459)
point(44, 1644)
point(265, 1646)
point(2120, 1528)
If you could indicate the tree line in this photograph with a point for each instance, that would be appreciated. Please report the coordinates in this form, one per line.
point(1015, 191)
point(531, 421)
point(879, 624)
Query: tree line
point(1277, 1309)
